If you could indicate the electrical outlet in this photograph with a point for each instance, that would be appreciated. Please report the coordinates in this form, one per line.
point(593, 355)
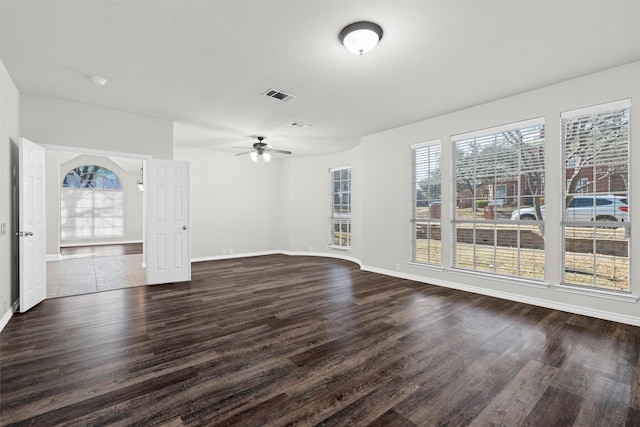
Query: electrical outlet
point(397, 267)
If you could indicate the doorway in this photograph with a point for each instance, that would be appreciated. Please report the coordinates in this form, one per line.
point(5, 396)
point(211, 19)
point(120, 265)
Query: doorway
point(88, 262)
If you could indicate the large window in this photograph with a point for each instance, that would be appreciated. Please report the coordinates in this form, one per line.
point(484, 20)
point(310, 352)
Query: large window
point(91, 204)
point(341, 207)
point(596, 226)
point(427, 209)
point(499, 212)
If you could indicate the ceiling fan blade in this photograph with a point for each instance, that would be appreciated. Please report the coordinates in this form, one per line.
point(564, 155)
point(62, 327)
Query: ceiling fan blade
point(245, 148)
point(279, 151)
point(246, 152)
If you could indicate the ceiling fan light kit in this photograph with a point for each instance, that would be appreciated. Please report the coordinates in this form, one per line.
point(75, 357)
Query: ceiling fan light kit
point(360, 37)
point(261, 150)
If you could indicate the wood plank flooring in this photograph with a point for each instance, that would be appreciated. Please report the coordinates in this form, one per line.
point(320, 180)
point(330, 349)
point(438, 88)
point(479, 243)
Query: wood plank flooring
point(278, 340)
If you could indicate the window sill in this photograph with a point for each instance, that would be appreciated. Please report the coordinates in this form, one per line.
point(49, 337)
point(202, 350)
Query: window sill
point(422, 266)
point(340, 248)
point(598, 293)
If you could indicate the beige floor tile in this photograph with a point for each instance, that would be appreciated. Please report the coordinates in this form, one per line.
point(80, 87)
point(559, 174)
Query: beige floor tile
point(82, 274)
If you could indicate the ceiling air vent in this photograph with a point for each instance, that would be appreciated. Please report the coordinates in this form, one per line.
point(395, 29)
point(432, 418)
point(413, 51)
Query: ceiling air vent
point(300, 125)
point(278, 94)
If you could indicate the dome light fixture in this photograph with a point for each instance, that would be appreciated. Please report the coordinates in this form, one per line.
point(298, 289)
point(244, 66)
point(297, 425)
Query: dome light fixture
point(98, 81)
point(360, 37)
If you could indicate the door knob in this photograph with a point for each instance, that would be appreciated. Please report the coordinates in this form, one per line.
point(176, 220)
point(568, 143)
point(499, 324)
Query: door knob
point(184, 227)
point(28, 233)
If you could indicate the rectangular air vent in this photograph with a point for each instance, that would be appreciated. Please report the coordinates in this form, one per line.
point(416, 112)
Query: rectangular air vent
point(278, 94)
point(300, 125)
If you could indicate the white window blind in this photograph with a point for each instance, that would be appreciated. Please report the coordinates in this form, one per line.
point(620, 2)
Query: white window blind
point(426, 187)
point(87, 213)
point(340, 234)
point(499, 181)
point(596, 226)
point(92, 204)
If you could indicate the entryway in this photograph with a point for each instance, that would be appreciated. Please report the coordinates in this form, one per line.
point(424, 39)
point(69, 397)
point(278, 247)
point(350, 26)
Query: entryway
point(88, 269)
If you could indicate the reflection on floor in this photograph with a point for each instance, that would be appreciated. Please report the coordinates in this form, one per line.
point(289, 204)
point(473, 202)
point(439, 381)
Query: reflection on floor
point(88, 272)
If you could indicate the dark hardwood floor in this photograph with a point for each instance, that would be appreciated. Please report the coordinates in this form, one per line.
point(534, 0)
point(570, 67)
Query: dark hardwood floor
point(280, 340)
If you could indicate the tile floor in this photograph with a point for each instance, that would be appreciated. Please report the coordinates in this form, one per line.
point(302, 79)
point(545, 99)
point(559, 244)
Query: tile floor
point(75, 275)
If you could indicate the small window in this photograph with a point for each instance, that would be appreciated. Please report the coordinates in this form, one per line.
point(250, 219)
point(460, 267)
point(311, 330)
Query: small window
point(92, 176)
point(426, 187)
point(340, 234)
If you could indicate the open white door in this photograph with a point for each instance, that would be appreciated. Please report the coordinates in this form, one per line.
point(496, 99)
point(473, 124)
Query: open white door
point(167, 238)
point(31, 216)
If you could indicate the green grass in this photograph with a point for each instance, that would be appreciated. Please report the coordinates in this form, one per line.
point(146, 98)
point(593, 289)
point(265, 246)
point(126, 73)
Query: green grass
point(611, 272)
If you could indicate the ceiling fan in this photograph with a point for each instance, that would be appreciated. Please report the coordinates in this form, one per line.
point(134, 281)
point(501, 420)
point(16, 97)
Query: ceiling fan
point(262, 149)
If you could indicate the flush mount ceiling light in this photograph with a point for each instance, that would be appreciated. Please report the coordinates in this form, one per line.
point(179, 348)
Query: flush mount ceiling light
point(360, 37)
point(98, 81)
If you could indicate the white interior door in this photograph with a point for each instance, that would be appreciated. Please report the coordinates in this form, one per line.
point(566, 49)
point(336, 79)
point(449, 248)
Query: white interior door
point(167, 236)
point(31, 216)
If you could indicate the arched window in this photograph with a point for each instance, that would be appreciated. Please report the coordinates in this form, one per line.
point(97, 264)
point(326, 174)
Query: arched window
point(92, 204)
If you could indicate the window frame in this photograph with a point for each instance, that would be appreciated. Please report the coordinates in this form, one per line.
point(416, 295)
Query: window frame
point(598, 227)
point(483, 230)
point(80, 190)
point(340, 219)
point(432, 218)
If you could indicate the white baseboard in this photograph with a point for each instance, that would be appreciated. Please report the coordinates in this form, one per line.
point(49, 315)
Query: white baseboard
point(279, 252)
point(324, 254)
point(115, 242)
point(5, 319)
point(232, 256)
point(606, 315)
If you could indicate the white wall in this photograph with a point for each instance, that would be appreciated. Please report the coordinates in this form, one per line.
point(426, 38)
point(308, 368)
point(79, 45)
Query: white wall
point(235, 204)
point(386, 191)
point(9, 133)
point(307, 202)
point(284, 205)
point(55, 122)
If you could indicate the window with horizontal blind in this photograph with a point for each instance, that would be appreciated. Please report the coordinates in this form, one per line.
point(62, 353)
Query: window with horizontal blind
point(596, 227)
point(426, 187)
point(92, 204)
point(499, 184)
point(340, 234)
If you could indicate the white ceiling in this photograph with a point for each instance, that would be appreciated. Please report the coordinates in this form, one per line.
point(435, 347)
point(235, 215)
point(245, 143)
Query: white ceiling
point(205, 64)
